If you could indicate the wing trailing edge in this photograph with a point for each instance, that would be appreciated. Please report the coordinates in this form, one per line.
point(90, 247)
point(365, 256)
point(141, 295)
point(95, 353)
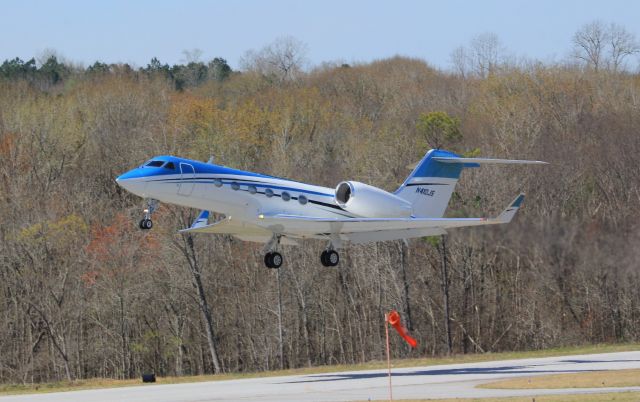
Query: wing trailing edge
point(375, 229)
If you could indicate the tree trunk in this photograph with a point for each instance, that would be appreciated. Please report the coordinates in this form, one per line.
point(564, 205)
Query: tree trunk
point(190, 254)
point(466, 299)
point(445, 291)
point(280, 336)
point(302, 303)
point(404, 251)
point(206, 314)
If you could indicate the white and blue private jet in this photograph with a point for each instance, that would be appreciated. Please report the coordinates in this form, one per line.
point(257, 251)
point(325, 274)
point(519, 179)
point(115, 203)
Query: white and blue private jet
point(272, 210)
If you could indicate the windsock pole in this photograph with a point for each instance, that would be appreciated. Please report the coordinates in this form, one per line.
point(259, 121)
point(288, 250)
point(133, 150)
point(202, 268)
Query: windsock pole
point(386, 331)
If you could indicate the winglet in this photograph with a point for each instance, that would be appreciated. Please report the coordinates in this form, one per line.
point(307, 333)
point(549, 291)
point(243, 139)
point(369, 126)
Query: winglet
point(201, 221)
point(507, 215)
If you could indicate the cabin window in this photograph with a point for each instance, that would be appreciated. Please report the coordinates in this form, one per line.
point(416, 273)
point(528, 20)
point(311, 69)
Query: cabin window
point(170, 166)
point(285, 196)
point(155, 164)
point(235, 186)
point(268, 192)
point(217, 183)
point(252, 189)
point(302, 199)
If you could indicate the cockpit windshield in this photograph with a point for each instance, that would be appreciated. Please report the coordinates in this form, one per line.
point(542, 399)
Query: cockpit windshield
point(155, 164)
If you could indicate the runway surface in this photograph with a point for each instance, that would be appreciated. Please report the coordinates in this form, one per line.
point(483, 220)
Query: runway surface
point(446, 381)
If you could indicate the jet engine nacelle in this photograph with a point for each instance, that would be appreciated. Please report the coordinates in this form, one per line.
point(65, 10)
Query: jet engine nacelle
point(368, 201)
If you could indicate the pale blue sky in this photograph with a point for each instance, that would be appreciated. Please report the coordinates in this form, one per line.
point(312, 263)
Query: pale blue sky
point(350, 31)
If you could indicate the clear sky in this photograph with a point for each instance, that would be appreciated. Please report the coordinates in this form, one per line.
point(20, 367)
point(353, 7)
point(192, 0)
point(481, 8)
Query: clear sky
point(334, 30)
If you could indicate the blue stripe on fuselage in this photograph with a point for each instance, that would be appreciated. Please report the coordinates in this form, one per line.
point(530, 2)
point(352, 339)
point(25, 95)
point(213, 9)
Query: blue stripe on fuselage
point(199, 168)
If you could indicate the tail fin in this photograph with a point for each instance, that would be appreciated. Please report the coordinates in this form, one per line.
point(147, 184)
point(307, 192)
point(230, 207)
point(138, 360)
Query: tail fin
point(430, 186)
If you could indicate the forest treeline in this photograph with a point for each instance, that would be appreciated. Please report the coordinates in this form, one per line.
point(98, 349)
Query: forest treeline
point(85, 293)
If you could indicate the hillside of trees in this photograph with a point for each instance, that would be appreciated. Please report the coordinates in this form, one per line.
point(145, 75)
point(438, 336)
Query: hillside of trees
point(85, 293)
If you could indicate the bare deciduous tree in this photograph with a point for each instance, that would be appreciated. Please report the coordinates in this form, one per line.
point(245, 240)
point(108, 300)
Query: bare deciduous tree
point(481, 58)
point(622, 44)
point(284, 59)
point(485, 53)
point(600, 46)
point(589, 44)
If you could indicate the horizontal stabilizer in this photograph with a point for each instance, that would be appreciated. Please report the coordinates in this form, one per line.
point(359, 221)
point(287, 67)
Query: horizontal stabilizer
point(446, 159)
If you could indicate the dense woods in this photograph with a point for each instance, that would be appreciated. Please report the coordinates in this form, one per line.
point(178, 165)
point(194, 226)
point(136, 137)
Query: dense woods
point(85, 293)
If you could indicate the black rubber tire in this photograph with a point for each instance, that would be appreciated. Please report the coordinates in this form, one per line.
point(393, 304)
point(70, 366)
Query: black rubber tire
point(276, 260)
point(148, 224)
point(141, 224)
point(332, 258)
point(323, 259)
point(267, 260)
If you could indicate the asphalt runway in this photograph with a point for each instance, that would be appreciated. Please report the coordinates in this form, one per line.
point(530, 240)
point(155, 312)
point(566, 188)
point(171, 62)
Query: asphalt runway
point(446, 381)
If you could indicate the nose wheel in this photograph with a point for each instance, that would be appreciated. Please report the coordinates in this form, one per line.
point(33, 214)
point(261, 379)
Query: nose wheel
point(329, 258)
point(146, 223)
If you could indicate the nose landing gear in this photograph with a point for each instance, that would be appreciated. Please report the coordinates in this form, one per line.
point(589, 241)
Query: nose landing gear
point(146, 223)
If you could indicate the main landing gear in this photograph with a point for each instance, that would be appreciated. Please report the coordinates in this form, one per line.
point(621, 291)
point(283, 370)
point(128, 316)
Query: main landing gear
point(146, 223)
point(329, 258)
point(272, 258)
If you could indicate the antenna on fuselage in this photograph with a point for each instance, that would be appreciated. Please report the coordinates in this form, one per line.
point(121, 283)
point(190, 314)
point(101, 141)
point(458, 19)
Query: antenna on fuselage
point(211, 159)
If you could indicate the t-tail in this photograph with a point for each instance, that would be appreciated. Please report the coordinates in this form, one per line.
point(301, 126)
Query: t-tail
point(431, 183)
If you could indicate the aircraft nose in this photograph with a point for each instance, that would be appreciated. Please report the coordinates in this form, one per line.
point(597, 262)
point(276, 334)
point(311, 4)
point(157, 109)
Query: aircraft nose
point(131, 182)
point(124, 182)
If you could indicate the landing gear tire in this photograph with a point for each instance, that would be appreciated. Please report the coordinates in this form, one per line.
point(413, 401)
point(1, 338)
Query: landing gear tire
point(146, 223)
point(329, 258)
point(273, 260)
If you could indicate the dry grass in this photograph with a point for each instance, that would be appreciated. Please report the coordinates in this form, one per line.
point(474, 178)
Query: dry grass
point(594, 379)
point(110, 383)
point(613, 396)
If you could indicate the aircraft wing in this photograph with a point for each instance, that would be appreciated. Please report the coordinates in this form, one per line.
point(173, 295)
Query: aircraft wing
point(242, 230)
point(374, 229)
point(228, 226)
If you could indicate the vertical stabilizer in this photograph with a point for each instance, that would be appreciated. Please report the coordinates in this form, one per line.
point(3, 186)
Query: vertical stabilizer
point(430, 186)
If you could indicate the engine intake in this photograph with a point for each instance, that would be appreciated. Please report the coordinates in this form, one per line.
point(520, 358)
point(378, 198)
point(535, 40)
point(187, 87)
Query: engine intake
point(371, 202)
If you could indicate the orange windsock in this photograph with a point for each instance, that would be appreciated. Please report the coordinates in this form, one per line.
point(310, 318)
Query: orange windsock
point(394, 320)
